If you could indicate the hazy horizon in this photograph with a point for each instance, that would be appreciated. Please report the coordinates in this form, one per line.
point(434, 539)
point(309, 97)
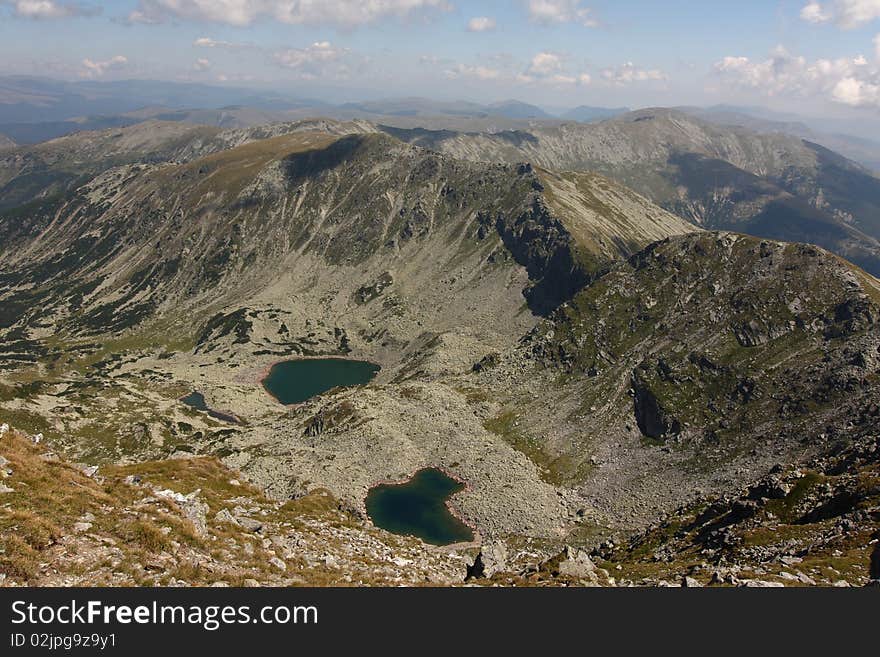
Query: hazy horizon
point(818, 59)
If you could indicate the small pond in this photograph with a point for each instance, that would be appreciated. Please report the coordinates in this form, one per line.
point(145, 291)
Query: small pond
point(419, 508)
point(196, 400)
point(295, 381)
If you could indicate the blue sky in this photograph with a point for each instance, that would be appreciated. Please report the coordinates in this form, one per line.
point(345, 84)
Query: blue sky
point(815, 57)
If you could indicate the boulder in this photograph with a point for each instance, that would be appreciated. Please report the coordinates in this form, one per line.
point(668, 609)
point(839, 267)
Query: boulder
point(494, 558)
point(89, 470)
point(250, 524)
point(224, 516)
point(491, 560)
point(192, 507)
point(761, 584)
point(576, 563)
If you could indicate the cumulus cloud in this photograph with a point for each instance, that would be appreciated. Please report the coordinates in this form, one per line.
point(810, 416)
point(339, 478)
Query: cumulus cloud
point(545, 68)
point(321, 59)
point(551, 68)
point(96, 69)
point(46, 9)
point(629, 73)
point(293, 12)
point(848, 81)
point(545, 64)
point(846, 13)
point(813, 12)
point(202, 64)
point(549, 12)
point(481, 24)
point(857, 93)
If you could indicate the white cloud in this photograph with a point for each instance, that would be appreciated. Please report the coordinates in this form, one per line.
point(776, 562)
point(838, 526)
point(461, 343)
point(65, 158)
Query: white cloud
point(207, 42)
point(545, 68)
point(846, 13)
point(549, 12)
point(474, 72)
point(293, 12)
point(852, 82)
point(202, 64)
point(545, 64)
point(629, 73)
point(481, 24)
point(321, 59)
point(44, 9)
point(96, 69)
point(877, 46)
point(858, 93)
point(813, 12)
point(551, 68)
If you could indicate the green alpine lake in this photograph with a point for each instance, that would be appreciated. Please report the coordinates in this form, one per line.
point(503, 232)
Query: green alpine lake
point(418, 508)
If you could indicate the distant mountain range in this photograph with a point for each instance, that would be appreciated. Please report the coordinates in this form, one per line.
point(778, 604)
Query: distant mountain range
point(37, 109)
point(863, 150)
point(36, 100)
point(716, 175)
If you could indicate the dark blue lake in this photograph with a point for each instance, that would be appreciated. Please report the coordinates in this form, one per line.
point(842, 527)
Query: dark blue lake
point(419, 508)
point(295, 381)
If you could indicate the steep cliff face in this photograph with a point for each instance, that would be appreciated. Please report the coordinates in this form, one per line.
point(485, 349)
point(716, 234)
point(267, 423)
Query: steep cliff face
point(720, 334)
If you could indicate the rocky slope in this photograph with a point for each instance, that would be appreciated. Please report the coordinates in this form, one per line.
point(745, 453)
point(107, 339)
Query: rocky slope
point(187, 522)
point(699, 363)
point(812, 526)
point(140, 240)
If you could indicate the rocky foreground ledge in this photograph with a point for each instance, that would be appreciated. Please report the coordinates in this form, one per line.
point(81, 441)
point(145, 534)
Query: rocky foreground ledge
point(194, 522)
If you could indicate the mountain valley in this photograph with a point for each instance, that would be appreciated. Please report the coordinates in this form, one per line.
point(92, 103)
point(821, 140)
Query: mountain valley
point(562, 319)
